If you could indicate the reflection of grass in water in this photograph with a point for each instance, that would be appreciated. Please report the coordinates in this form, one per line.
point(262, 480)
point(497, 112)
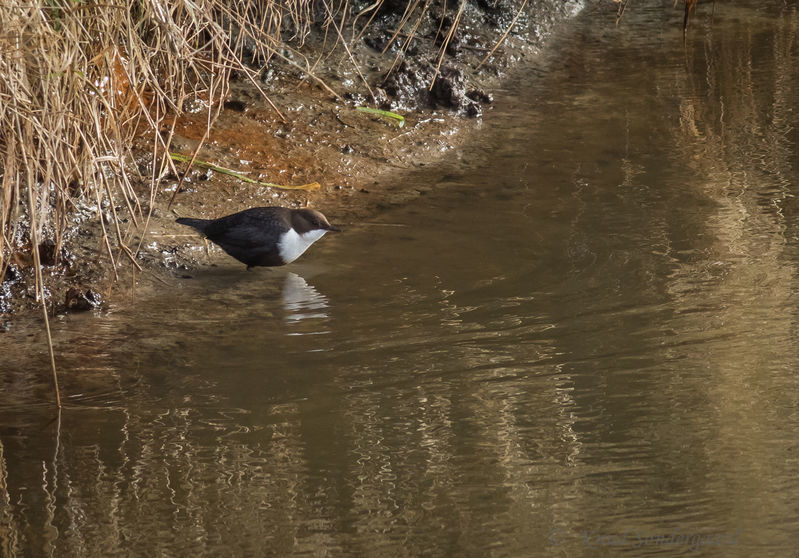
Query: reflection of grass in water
point(689, 7)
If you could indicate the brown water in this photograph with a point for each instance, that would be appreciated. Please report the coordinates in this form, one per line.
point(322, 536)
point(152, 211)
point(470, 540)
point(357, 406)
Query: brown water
point(580, 342)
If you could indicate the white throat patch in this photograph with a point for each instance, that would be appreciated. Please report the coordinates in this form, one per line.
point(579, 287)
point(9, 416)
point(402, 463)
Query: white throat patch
point(292, 245)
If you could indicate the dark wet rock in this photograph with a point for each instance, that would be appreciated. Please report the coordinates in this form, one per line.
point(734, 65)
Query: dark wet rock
point(500, 13)
point(48, 253)
point(12, 274)
point(144, 162)
point(449, 91)
point(407, 86)
point(78, 300)
point(193, 105)
point(454, 44)
point(473, 110)
point(11, 277)
point(243, 44)
point(268, 75)
point(381, 97)
point(480, 96)
point(207, 174)
point(377, 40)
point(236, 105)
point(385, 40)
point(390, 7)
point(198, 174)
point(355, 98)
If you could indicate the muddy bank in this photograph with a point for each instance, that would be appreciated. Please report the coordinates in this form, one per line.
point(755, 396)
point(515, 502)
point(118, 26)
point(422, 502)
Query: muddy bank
point(315, 135)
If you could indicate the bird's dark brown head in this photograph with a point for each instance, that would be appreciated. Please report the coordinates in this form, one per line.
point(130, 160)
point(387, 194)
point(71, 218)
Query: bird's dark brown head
point(304, 220)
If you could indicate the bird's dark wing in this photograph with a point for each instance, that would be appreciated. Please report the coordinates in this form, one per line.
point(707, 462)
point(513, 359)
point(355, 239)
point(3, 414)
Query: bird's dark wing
point(254, 227)
point(251, 234)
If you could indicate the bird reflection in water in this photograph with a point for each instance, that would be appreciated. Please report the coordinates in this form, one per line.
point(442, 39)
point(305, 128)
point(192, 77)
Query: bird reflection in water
point(302, 301)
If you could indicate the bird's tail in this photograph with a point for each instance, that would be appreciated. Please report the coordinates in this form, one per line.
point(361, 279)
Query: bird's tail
point(199, 224)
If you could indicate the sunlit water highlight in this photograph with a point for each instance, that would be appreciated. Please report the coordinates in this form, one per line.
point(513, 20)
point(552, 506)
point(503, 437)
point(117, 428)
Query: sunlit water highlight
point(580, 341)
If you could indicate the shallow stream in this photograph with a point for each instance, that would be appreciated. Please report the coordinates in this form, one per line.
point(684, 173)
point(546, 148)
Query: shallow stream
point(582, 340)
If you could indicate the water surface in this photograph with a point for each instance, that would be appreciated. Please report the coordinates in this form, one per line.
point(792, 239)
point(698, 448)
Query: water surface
point(580, 341)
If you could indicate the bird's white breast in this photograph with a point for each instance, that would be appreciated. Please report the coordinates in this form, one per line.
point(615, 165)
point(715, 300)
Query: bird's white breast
point(292, 245)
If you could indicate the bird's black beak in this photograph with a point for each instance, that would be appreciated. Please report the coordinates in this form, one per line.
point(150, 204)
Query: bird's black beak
point(333, 228)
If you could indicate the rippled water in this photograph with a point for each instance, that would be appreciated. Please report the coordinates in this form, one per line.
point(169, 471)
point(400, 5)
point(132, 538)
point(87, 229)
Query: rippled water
point(580, 341)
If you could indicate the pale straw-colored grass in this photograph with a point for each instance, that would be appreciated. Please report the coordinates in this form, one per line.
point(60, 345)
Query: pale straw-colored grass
point(77, 80)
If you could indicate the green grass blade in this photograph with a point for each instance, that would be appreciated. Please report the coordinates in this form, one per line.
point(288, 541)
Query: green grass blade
point(392, 117)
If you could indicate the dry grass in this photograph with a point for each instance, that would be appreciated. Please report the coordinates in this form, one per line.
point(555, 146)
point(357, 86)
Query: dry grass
point(78, 79)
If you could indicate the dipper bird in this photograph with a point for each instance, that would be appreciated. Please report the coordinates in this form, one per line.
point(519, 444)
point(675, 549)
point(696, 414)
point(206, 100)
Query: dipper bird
point(264, 236)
